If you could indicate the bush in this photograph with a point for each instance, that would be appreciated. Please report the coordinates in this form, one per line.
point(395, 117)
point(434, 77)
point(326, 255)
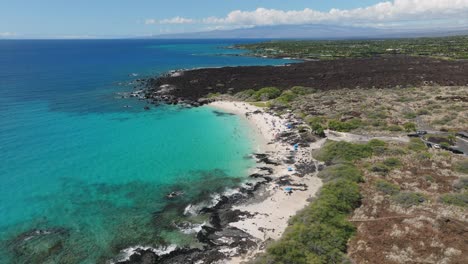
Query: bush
point(344, 126)
point(423, 112)
point(417, 145)
point(245, 95)
point(410, 115)
point(408, 199)
point(462, 166)
point(315, 124)
point(286, 97)
point(319, 233)
point(380, 168)
point(301, 90)
point(334, 151)
point(458, 199)
point(387, 187)
point(409, 126)
point(461, 184)
point(394, 128)
point(266, 93)
point(392, 162)
point(341, 171)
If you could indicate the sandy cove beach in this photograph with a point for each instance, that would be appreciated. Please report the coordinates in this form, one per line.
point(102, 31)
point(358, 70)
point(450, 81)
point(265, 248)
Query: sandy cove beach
point(276, 206)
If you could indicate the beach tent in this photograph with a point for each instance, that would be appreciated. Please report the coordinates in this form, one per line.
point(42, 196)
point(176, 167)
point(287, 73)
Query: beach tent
point(288, 189)
point(290, 169)
point(296, 146)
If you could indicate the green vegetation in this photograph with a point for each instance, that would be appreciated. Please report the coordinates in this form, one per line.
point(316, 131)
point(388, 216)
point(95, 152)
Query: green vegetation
point(339, 151)
point(387, 187)
point(394, 128)
point(458, 199)
point(417, 145)
point(344, 126)
point(341, 171)
point(392, 162)
point(443, 47)
point(317, 124)
point(319, 234)
point(380, 168)
point(408, 199)
point(462, 166)
point(409, 126)
point(245, 95)
point(266, 93)
point(461, 184)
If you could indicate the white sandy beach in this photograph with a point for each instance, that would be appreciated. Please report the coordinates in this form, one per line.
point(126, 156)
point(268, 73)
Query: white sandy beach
point(271, 215)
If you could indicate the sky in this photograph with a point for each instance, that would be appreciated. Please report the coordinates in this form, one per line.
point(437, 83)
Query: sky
point(132, 18)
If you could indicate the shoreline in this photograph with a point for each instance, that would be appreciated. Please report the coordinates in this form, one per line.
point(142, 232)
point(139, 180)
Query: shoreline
point(272, 211)
point(244, 219)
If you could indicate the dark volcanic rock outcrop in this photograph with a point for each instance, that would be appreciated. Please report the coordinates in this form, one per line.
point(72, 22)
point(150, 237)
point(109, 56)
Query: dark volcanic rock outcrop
point(379, 72)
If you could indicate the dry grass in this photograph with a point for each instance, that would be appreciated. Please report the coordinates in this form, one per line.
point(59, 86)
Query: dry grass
point(388, 110)
point(425, 232)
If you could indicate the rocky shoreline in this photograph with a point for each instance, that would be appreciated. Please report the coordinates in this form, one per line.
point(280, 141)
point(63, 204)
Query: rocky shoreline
point(223, 237)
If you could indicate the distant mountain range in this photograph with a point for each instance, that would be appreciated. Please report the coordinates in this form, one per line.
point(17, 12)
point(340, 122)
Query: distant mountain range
point(315, 32)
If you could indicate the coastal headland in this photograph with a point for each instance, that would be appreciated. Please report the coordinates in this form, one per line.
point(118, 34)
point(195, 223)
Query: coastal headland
point(381, 72)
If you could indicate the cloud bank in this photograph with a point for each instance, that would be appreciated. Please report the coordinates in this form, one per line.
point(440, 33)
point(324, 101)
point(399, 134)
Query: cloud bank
point(378, 14)
point(7, 34)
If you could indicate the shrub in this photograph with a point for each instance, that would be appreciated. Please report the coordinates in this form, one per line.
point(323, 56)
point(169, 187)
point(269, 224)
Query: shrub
point(423, 155)
point(213, 95)
point(461, 184)
point(392, 162)
point(341, 171)
point(245, 95)
point(462, 166)
point(408, 199)
point(334, 151)
point(458, 199)
point(379, 168)
point(315, 124)
point(417, 145)
point(423, 112)
point(344, 126)
point(394, 128)
point(286, 97)
point(301, 90)
point(409, 126)
point(387, 187)
point(410, 115)
point(266, 93)
point(319, 233)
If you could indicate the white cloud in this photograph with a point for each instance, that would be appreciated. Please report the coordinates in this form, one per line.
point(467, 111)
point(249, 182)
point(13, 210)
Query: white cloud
point(150, 21)
point(381, 13)
point(7, 34)
point(175, 20)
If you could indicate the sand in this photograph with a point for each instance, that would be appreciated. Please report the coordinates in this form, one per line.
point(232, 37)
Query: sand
point(272, 212)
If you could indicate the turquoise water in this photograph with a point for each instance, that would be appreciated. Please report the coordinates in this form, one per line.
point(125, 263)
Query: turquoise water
point(81, 176)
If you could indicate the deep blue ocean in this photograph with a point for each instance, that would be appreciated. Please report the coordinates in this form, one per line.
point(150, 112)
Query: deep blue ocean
point(81, 176)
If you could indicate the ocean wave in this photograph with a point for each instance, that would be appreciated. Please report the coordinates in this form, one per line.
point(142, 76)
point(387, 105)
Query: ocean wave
point(125, 254)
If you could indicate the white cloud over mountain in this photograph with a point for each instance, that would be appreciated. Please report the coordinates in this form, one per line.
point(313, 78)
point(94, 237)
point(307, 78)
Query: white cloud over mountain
point(381, 13)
